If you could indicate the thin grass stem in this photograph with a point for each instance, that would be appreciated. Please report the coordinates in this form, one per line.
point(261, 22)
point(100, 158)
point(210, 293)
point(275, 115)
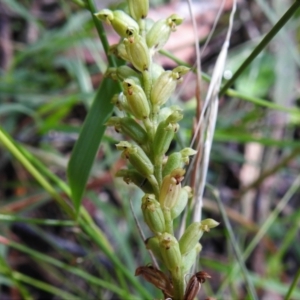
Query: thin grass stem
point(265, 41)
point(236, 94)
point(239, 257)
point(43, 286)
point(74, 270)
point(6, 270)
point(292, 286)
point(13, 218)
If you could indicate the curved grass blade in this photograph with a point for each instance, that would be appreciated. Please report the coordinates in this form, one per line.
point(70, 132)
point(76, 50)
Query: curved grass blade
point(87, 145)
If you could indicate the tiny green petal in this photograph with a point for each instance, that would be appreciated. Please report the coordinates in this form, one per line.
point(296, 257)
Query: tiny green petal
point(156, 71)
point(137, 158)
point(125, 72)
point(138, 10)
point(133, 176)
point(122, 23)
point(162, 89)
point(165, 134)
point(208, 224)
point(138, 52)
point(177, 159)
point(153, 214)
point(170, 251)
point(170, 189)
point(160, 32)
point(185, 153)
point(136, 99)
point(130, 128)
point(152, 244)
point(111, 73)
point(119, 51)
point(191, 237)
point(185, 194)
point(189, 259)
point(173, 162)
point(120, 101)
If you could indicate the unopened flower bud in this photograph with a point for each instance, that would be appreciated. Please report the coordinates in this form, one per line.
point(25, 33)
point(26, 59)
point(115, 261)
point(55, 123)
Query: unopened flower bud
point(122, 23)
point(170, 251)
point(189, 259)
point(185, 153)
point(138, 52)
point(164, 87)
point(125, 72)
point(170, 189)
point(138, 10)
point(208, 224)
point(111, 73)
point(177, 159)
point(165, 133)
point(119, 51)
point(160, 32)
point(136, 99)
point(156, 71)
point(191, 237)
point(133, 176)
point(120, 101)
point(137, 158)
point(130, 128)
point(153, 214)
point(173, 162)
point(181, 71)
point(185, 194)
point(152, 244)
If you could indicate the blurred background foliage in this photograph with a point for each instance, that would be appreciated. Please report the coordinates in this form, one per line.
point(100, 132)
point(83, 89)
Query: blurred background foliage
point(51, 64)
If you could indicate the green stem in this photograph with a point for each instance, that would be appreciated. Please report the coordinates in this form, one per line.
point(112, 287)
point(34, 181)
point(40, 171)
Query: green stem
point(142, 25)
point(158, 170)
point(265, 41)
point(149, 126)
point(178, 283)
point(147, 81)
point(154, 184)
point(168, 220)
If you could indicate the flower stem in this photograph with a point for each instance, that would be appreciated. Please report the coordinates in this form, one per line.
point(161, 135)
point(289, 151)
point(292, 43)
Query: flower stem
point(154, 184)
point(178, 283)
point(149, 128)
point(168, 220)
point(158, 170)
point(147, 80)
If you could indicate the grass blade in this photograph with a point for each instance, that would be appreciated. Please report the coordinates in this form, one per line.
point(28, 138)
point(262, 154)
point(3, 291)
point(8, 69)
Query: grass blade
point(91, 134)
point(87, 145)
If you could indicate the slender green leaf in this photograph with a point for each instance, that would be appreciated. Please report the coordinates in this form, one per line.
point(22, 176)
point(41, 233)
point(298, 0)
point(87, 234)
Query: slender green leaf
point(87, 145)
